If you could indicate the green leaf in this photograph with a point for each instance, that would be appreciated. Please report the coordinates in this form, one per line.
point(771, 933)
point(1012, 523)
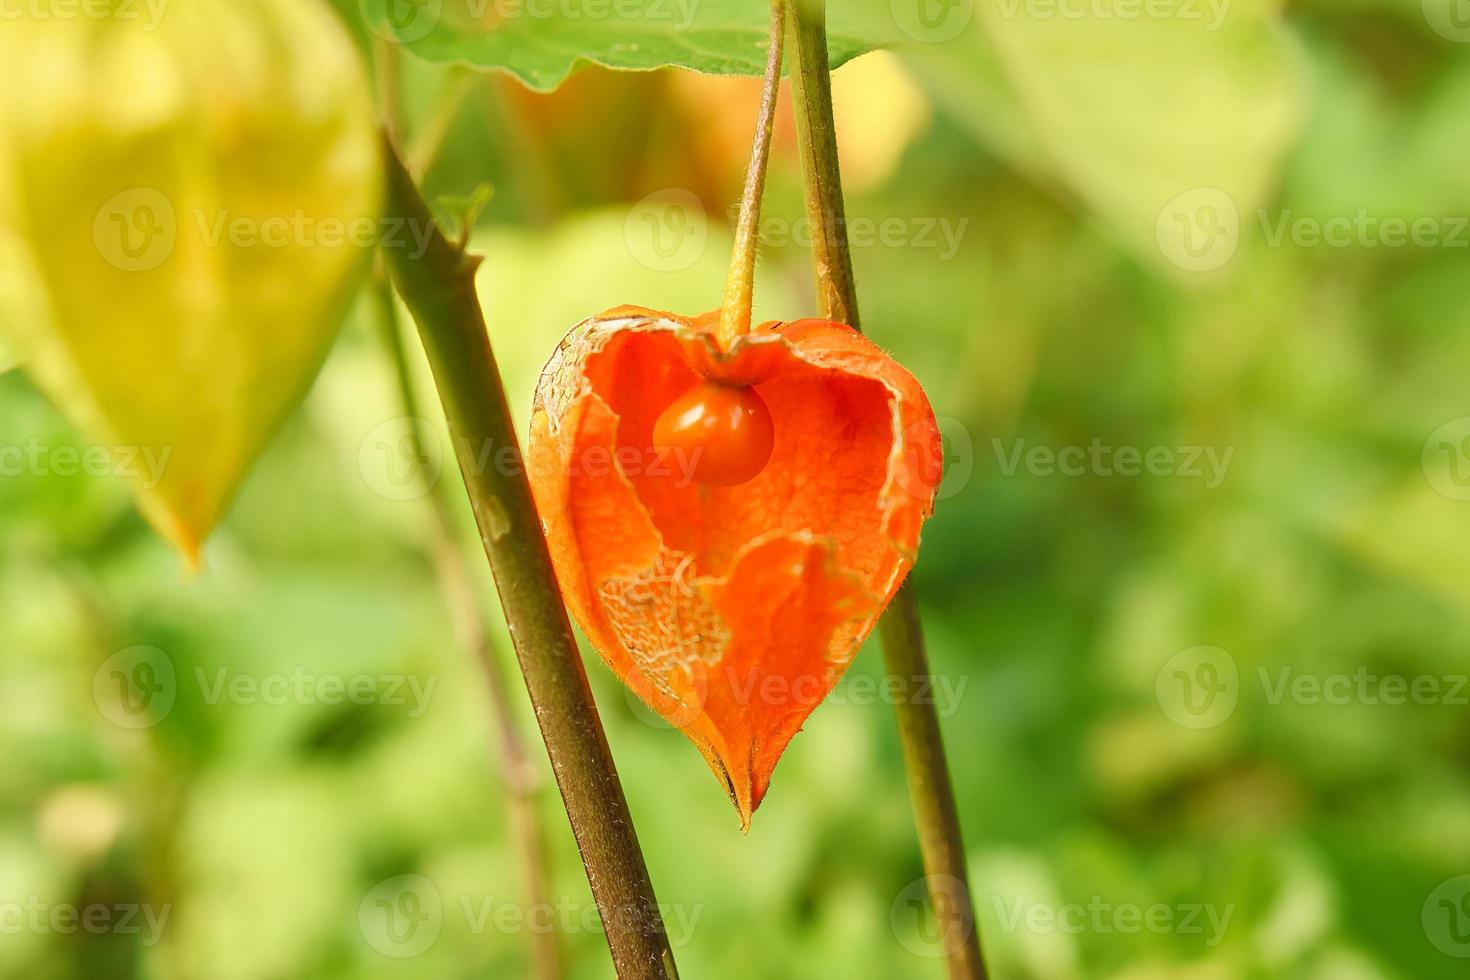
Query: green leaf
point(181, 213)
point(1146, 118)
point(459, 212)
point(541, 43)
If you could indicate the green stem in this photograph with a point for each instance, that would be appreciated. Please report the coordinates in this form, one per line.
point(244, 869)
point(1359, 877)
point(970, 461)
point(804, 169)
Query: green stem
point(439, 288)
point(469, 630)
point(740, 285)
point(450, 562)
point(935, 812)
point(811, 97)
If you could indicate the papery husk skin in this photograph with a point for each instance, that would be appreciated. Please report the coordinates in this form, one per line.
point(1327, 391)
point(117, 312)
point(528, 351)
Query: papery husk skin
point(731, 611)
point(175, 197)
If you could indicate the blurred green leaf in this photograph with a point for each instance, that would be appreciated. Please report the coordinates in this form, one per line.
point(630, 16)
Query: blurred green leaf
point(459, 212)
point(542, 45)
point(1129, 113)
point(1374, 148)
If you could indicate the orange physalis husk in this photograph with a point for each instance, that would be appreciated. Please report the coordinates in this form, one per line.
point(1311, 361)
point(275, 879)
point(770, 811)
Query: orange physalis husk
point(731, 611)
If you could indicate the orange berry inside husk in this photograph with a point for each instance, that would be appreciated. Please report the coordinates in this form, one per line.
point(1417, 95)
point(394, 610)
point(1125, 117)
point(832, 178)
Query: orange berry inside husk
point(724, 432)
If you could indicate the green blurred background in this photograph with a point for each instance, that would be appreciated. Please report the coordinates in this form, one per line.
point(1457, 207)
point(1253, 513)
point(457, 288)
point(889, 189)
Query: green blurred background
point(1202, 678)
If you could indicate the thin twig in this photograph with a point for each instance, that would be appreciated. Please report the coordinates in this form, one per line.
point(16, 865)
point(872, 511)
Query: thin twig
point(740, 285)
point(935, 812)
point(438, 286)
point(430, 138)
